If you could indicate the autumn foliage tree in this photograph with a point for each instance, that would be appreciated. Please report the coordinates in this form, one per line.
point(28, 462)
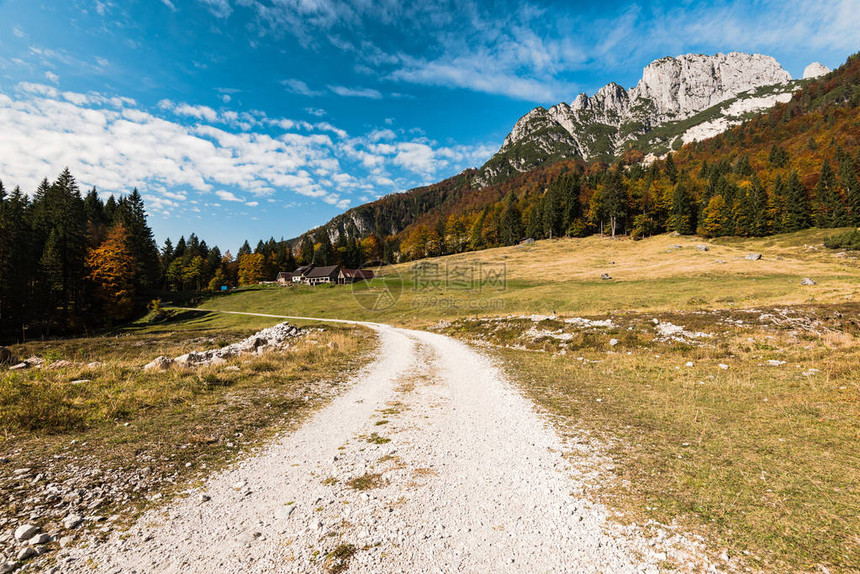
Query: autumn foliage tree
point(251, 268)
point(112, 269)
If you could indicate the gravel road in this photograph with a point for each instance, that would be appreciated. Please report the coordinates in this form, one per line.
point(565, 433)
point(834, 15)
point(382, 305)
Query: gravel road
point(431, 462)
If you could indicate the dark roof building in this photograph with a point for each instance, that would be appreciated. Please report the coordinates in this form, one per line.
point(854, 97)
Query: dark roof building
point(353, 275)
point(326, 274)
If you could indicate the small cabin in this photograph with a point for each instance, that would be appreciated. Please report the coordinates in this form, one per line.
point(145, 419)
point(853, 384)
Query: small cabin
point(284, 278)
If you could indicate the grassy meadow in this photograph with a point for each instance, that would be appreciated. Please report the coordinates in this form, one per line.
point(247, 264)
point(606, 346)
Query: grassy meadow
point(564, 275)
point(102, 413)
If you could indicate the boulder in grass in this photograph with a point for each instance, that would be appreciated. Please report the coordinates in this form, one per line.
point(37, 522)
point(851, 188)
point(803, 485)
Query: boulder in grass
point(807, 281)
point(753, 256)
point(702, 247)
point(605, 276)
point(159, 364)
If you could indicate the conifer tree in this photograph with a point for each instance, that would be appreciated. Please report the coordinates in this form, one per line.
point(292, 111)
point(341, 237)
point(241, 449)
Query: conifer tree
point(850, 183)
point(511, 227)
point(797, 205)
point(682, 215)
point(829, 209)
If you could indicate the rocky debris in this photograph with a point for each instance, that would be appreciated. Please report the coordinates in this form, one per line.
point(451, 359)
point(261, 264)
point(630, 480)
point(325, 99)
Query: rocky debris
point(807, 281)
point(42, 538)
point(720, 262)
point(7, 567)
point(589, 323)
point(161, 363)
point(814, 70)
point(613, 342)
point(753, 256)
point(273, 338)
point(6, 357)
point(26, 532)
point(19, 367)
point(61, 364)
point(26, 552)
point(72, 521)
point(702, 247)
point(605, 276)
point(669, 332)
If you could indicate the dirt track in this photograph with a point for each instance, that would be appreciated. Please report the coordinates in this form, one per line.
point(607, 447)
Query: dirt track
point(464, 476)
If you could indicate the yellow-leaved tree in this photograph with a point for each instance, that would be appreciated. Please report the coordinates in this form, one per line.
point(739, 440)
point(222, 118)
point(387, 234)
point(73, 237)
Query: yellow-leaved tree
point(251, 268)
point(112, 268)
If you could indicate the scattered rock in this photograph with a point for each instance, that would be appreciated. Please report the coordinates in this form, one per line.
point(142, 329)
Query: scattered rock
point(675, 247)
point(42, 538)
point(205, 498)
point(159, 364)
point(605, 276)
point(613, 342)
point(25, 532)
point(807, 281)
point(61, 364)
point(72, 521)
point(753, 256)
point(66, 541)
point(21, 471)
point(81, 381)
point(720, 262)
point(7, 567)
point(25, 553)
point(723, 366)
point(703, 247)
point(19, 366)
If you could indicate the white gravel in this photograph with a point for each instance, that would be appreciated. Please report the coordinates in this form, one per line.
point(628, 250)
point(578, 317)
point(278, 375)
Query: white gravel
point(472, 480)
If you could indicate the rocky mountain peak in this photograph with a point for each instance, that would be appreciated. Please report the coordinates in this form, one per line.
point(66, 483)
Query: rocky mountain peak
point(671, 89)
point(814, 70)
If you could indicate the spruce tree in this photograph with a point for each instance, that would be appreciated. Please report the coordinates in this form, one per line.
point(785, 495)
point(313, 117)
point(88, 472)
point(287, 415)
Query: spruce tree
point(829, 209)
point(850, 184)
point(682, 215)
point(511, 226)
point(797, 205)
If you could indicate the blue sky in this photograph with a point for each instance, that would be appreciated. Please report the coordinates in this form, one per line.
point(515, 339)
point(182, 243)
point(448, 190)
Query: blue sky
point(254, 118)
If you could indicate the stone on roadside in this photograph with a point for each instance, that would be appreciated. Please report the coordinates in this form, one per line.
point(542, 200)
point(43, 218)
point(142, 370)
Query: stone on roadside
point(753, 256)
point(159, 363)
point(26, 532)
point(807, 281)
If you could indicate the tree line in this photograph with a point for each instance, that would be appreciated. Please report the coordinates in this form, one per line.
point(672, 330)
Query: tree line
point(69, 261)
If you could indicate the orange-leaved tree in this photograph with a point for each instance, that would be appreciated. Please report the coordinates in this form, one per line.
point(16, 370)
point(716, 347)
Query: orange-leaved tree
point(112, 268)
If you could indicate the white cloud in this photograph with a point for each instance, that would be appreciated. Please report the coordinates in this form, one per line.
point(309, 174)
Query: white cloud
point(318, 112)
point(356, 92)
point(51, 76)
point(114, 144)
point(169, 4)
point(19, 33)
point(220, 8)
point(299, 87)
point(227, 196)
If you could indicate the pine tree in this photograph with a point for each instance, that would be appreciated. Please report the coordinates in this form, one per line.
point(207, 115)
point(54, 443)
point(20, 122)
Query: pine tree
point(829, 209)
point(682, 215)
point(511, 227)
point(850, 183)
point(476, 236)
point(615, 199)
point(797, 205)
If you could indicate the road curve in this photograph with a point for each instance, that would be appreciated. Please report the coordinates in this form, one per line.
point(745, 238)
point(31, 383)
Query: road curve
point(463, 475)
